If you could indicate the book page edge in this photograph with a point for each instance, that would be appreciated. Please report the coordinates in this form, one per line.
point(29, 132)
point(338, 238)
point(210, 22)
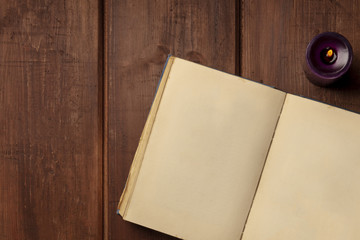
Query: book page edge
point(139, 154)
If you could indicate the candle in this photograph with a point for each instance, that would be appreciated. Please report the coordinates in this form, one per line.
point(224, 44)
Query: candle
point(328, 58)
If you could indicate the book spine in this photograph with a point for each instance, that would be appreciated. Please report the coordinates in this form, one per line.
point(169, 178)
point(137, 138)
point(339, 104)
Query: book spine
point(139, 155)
point(267, 154)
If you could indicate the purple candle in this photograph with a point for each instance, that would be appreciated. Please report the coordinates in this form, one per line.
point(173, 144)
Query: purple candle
point(328, 58)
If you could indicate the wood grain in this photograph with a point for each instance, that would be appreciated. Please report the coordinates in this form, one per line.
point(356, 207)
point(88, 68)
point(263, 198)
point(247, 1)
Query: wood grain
point(139, 36)
point(52, 96)
point(274, 37)
point(50, 121)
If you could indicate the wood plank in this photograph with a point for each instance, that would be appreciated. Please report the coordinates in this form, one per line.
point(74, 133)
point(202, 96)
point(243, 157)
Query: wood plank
point(140, 35)
point(274, 39)
point(50, 122)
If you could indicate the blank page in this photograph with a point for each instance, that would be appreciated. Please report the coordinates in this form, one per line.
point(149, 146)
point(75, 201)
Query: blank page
point(205, 153)
point(310, 187)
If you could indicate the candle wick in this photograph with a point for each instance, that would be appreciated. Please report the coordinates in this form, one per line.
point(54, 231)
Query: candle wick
point(329, 53)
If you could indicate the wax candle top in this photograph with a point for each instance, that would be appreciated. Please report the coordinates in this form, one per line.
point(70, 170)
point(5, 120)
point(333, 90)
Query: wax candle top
point(329, 55)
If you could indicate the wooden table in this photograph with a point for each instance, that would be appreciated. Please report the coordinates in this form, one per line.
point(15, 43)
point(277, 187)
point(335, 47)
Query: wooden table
point(78, 78)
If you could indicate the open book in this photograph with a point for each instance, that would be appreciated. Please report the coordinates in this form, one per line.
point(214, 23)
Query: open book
point(222, 157)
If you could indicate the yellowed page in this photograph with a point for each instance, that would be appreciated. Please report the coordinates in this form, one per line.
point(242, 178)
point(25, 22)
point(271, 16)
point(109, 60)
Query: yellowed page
point(205, 154)
point(137, 161)
point(310, 187)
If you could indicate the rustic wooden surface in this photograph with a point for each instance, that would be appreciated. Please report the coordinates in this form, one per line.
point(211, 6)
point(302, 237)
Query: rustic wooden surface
point(77, 81)
point(274, 38)
point(50, 157)
point(139, 38)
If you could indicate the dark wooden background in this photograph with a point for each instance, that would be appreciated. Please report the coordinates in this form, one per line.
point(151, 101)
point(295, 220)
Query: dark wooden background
point(77, 79)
